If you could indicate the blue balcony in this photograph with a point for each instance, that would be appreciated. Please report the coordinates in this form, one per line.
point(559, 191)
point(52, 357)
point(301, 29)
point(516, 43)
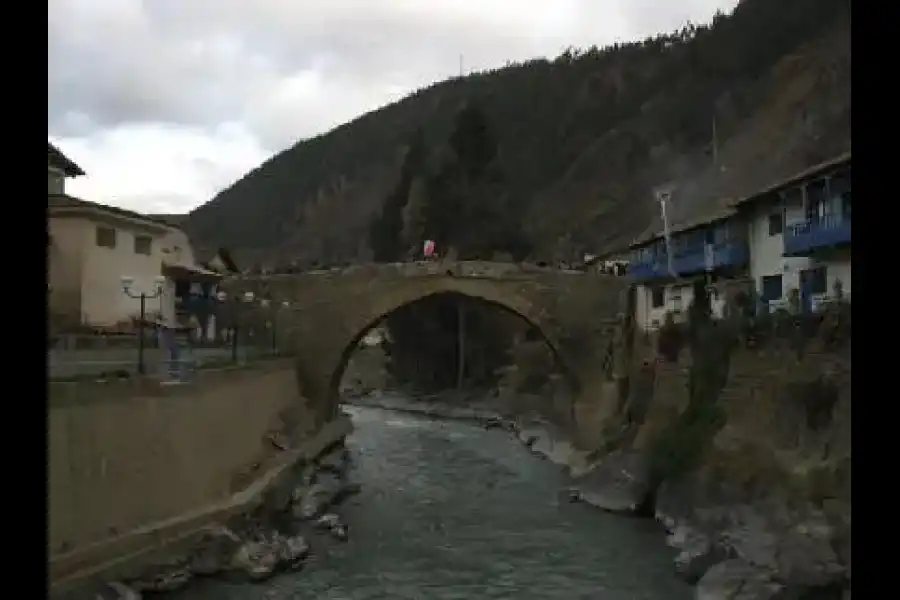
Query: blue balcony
point(828, 231)
point(733, 254)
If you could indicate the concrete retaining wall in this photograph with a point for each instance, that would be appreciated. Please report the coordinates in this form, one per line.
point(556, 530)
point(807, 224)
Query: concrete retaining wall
point(134, 464)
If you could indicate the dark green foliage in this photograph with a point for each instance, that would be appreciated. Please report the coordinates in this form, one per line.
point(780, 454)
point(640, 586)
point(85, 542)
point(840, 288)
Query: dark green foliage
point(464, 209)
point(671, 339)
point(819, 398)
point(681, 445)
point(386, 228)
point(544, 118)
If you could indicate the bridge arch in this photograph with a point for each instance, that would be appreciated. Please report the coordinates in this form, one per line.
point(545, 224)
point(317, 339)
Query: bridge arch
point(510, 307)
point(320, 373)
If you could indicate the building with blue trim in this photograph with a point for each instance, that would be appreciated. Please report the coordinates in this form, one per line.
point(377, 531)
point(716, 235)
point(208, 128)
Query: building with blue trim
point(792, 235)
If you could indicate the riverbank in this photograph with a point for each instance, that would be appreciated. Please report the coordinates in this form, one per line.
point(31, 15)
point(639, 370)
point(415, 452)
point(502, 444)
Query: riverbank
point(293, 520)
point(726, 550)
point(450, 509)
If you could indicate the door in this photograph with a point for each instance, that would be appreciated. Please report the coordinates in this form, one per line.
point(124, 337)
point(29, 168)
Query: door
point(812, 282)
point(770, 288)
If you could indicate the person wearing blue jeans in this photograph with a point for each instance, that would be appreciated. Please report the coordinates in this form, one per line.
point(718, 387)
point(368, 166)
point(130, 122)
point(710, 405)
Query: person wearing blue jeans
point(170, 342)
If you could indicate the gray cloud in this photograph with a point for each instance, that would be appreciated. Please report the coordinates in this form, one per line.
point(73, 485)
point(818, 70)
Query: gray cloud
point(204, 61)
point(288, 69)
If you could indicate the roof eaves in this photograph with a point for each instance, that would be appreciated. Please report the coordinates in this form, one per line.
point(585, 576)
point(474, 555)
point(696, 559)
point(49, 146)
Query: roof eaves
point(59, 160)
point(807, 173)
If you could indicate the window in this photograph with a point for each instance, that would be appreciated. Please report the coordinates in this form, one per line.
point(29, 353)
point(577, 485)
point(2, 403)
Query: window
point(55, 183)
point(792, 197)
point(658, 296)
point(182, 288)
point(840, 191)
point(771, 288)
point(676, 298)
point(814, 281)
point(816, 202)
point(106, 237)
point(143, 244)
point(776, 224)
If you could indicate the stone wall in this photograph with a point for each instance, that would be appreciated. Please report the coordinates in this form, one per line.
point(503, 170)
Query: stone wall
point(129, 454)
point(763, 399)
point(329, 311)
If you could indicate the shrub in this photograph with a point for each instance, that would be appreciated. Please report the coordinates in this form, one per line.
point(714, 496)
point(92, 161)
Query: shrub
point(681, 445)
point(670, 340)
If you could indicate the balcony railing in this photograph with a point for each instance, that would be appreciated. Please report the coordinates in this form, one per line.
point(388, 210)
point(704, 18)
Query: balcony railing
point(692, 261)
point(830, 230)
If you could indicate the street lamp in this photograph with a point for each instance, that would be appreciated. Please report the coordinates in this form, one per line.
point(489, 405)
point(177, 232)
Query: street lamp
point(128, 288)
point(247, 297)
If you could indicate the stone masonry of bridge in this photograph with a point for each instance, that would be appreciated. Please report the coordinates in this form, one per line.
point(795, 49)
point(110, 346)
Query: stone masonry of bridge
point(330, 311)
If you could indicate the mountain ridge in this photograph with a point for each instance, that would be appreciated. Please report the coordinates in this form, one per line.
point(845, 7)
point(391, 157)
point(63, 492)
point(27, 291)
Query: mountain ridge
point(583, 139)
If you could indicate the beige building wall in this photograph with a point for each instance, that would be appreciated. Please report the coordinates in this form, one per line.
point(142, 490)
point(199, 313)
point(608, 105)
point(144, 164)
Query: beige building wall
point(56, 181)
point(103, 299)
point(65, 267)
point(86, 279)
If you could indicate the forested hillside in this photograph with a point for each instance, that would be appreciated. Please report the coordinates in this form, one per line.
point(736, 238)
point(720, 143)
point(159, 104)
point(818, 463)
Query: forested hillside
point(569, 149)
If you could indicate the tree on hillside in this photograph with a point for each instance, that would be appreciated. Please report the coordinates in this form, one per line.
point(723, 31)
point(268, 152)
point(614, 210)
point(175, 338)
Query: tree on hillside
point(386, 229)
point(468, 204)
point(472, 141)
point(414, 216)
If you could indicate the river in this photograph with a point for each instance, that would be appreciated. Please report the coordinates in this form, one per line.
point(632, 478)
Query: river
point(450, 511)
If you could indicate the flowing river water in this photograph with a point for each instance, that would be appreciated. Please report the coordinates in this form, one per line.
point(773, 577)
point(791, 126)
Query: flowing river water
point(451, 511)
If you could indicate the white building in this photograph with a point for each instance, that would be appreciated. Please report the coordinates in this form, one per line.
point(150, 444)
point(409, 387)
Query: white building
point(799, 234)
point(794, 235)
point(712, 247)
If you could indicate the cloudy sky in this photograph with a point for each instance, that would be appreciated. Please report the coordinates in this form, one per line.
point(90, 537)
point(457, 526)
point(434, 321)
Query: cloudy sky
point(165, 102)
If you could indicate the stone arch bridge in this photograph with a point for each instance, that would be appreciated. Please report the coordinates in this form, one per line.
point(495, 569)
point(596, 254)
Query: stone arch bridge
point(328, 312)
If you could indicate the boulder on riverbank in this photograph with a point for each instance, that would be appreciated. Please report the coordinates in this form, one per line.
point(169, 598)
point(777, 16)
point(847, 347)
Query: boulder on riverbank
point(256, 545)
point(620, 483)
point(115, 590)
point(333, 524)
point(162, 578)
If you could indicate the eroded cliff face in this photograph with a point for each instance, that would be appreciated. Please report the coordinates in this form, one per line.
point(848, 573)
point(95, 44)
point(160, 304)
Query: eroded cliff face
point(772, 489)
point(751, 476)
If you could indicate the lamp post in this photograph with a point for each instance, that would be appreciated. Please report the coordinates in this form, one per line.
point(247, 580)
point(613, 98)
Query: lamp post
point(128, 289)
point(284, 305)
point(264, 303)
point(247, 298)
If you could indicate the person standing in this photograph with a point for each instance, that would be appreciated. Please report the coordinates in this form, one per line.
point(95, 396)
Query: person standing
point(169, 341)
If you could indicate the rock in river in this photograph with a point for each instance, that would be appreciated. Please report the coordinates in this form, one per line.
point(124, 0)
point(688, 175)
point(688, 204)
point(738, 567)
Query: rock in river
point(737, 579)
point(213, 554)
point(257, 559)
point(117, 591)
point(332, 523)
point(292, 550)
point(619, 484)
point(337, 461)
point(165, 578)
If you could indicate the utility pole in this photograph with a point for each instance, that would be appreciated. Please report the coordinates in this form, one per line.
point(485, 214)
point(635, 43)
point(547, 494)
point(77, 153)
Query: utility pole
point(663, 195)
point(715, 141)
point(460, 342)
point(460, 65)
